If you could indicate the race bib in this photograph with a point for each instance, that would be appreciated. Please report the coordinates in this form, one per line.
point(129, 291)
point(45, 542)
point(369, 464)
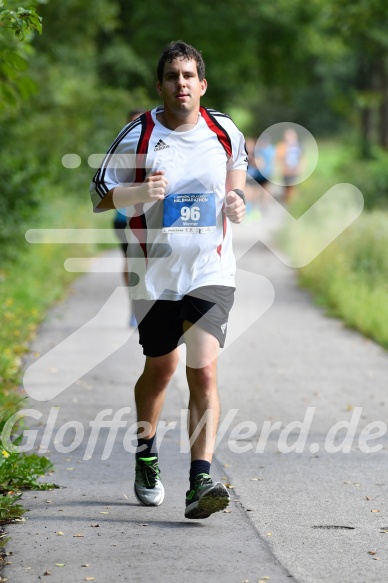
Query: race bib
point(189, 213)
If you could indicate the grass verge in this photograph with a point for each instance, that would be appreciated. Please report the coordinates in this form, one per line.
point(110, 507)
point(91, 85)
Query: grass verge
point(350, 277)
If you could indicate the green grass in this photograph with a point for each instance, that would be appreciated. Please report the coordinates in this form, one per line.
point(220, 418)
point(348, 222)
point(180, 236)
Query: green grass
point(23, 298)
point(10, 510)
point(350, 277)
point(24, 301)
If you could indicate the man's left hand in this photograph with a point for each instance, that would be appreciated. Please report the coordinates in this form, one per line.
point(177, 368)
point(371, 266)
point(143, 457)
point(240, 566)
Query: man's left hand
point(234, 207)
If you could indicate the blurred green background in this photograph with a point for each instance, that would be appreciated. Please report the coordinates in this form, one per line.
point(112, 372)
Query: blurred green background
point(321, 64)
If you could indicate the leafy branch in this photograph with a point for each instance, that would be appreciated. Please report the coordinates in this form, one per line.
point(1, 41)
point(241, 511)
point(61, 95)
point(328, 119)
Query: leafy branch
point(15, 24)
point(21, 20)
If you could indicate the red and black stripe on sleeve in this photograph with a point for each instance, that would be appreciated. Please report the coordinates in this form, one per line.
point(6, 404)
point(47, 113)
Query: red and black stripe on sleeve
point(225, 141)
point(216, 127)
point(138, 223)
point(99, 178)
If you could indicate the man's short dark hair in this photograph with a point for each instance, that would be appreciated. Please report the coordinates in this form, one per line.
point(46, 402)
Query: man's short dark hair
point(178, 49)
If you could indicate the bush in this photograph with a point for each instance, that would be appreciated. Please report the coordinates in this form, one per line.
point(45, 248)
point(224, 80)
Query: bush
point(370, 176)
point(350, 277)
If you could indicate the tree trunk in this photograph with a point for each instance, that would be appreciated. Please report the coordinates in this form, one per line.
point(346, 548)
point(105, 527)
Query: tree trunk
point(364, 84)
point(383, 109)
point(366, 131)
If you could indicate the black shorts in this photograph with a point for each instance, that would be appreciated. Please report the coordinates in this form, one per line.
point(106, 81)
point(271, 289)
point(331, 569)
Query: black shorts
point(160, 322)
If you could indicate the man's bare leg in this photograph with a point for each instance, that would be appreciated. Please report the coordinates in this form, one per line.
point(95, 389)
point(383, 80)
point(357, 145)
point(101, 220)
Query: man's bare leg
point(150, 389)
point(150, 392)
point(204, 497)
point(201, 372)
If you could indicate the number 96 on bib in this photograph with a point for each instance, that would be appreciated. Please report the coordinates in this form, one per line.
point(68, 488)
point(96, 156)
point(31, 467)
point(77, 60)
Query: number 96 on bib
point(189, 213)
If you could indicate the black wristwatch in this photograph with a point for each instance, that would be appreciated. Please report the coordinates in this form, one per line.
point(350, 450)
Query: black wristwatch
point(240, 194)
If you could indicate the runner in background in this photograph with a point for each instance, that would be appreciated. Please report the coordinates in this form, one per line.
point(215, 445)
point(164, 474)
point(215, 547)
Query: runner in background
point(261, 168)
point(289, 155)
point(119, 225)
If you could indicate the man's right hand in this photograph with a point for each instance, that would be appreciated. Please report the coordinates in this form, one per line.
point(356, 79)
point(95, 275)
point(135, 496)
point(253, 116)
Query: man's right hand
point(154, 187)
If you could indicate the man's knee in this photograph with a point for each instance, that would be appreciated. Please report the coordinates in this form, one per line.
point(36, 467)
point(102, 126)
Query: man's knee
point(202, 379)
point(161, 368)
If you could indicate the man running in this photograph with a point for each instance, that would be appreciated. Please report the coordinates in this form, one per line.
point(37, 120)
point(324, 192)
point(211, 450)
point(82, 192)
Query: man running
point(183, 188)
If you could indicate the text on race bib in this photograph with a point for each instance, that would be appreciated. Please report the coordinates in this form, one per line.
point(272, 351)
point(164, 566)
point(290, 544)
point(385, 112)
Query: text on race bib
point(189, 213)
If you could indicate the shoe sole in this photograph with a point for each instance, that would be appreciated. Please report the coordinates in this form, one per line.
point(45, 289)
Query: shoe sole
point(213, 501)
point(148, 503)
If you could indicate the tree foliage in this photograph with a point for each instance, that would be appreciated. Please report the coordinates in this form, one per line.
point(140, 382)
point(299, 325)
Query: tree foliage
point(21, 20)
point(17, 25)
point(360, 31)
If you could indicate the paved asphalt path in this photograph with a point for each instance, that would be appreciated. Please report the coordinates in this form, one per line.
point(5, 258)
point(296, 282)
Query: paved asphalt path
point(310, 516)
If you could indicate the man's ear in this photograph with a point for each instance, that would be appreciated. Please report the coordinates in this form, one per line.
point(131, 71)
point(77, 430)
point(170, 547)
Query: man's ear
point(159, 87)
point(203, 87)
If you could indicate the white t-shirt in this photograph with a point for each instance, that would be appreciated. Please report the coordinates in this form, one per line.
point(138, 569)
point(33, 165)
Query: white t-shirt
point(167, 263)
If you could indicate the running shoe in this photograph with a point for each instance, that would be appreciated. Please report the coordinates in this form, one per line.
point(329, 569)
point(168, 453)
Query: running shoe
point(148, 487)
point(205, 498)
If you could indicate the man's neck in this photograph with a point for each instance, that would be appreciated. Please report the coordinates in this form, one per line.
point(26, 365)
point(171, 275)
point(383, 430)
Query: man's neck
point(182, 123)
